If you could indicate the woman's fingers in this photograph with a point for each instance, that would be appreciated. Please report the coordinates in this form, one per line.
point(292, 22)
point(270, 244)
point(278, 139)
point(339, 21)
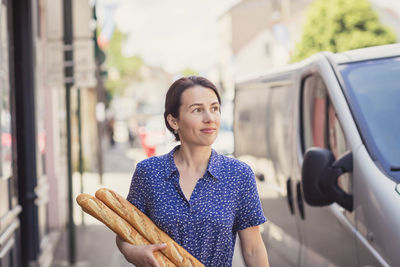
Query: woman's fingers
point(151, 249)
point(141, 256)
point(157, 247)
point(150, 256)
point(153, 262)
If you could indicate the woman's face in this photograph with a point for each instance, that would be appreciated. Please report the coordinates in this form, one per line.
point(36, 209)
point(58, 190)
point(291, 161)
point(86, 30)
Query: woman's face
point(199, 116)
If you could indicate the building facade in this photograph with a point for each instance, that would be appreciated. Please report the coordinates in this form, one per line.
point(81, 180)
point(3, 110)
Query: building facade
point(257, 36)
point(33, 174)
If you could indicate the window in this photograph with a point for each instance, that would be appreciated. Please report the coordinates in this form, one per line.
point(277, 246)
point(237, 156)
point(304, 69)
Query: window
point(5, 107)
point(336, 139)
point(314, 119)
point(278, 127)
point(320, 125)
point(8, 183)
point(372, 88)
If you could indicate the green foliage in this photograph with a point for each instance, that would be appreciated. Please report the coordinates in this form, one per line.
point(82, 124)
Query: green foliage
point(125, 69)
point(189, 72)
point(340, 25)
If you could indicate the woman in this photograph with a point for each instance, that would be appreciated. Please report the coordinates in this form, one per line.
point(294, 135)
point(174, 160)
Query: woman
point(198, 197)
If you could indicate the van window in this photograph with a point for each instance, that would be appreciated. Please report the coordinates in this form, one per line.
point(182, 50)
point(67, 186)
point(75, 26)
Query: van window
point(336, 140)
point(337, 144)
point(278, 130)
point(314, 119)
point(250, 121)
point(320, 125)
point(373, 91)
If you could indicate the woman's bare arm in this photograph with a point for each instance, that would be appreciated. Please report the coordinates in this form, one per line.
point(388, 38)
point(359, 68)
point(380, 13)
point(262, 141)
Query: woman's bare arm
point(253, 248)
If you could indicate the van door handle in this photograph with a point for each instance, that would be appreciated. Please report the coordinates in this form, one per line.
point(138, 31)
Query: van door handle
point(300, 200)
point(290, 195)
point(260, 176)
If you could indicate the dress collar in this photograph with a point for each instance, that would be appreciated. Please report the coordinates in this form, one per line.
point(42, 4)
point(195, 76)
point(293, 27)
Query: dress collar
point(213, 167)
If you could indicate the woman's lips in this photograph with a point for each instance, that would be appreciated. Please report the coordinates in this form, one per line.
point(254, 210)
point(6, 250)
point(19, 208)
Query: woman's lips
point(208, 130)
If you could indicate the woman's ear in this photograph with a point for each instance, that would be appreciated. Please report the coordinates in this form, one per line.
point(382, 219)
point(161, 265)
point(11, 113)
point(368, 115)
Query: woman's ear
point(173, 122)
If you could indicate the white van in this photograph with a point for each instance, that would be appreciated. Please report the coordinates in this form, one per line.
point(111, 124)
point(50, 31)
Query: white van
point(323, 137)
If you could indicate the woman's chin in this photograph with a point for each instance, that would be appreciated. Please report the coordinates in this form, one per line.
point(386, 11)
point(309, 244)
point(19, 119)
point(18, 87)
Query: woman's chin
point(205, 142)
point(201, 141)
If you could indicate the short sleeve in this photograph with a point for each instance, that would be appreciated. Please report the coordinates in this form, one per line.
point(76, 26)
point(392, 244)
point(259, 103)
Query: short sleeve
point(249, 210)
point(136, 194)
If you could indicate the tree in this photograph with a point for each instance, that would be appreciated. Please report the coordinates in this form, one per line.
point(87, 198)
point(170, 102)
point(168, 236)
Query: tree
point(340, 25)
point(122, 70)
point(189, 72)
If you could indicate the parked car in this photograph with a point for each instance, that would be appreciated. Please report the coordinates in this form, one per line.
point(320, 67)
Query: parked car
point(153, 135)
point(323, 137)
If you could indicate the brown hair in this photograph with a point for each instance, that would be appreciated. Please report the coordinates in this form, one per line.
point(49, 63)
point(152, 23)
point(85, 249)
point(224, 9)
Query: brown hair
point(174, 95)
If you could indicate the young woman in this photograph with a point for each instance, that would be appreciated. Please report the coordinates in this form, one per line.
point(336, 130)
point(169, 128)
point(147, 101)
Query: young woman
point(198, 197)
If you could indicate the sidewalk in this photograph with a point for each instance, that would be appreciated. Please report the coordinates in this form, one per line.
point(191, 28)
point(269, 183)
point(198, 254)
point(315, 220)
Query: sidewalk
point(95, 247)
point(95, 243)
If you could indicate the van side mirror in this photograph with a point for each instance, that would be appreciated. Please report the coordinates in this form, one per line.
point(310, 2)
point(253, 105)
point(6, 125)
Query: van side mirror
point(320, 173)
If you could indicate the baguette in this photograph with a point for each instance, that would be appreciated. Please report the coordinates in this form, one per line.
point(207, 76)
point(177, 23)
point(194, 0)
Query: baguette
point(100, 211)
point(145, 226)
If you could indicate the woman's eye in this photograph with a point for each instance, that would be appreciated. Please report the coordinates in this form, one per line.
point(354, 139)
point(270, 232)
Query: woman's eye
point(215, 109)
point(197, 110)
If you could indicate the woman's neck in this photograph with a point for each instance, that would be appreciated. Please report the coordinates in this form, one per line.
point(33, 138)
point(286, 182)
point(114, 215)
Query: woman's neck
point(195, 158)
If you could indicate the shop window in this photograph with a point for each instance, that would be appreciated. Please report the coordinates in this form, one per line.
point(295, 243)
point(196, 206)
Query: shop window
point(5, 108)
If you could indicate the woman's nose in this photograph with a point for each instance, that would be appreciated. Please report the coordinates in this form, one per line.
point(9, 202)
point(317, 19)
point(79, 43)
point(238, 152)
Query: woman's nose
point(208, 116)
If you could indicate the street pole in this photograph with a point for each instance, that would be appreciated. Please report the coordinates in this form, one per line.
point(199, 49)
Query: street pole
point(69, 81)
point(99, 59)
point(80, 148)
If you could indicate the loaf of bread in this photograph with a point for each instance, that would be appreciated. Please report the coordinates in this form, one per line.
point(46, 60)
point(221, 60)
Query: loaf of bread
point(123, 229)
point(145, 226)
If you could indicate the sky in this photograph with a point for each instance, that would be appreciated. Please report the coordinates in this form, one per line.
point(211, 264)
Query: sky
point(173, 34)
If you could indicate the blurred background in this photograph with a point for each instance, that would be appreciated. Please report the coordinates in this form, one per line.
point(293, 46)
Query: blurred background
point(82, 87)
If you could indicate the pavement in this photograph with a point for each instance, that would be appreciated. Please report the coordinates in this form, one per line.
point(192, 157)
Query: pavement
point(95, 243)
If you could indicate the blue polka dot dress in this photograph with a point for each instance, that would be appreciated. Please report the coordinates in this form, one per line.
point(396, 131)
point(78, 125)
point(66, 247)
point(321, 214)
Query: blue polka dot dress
point(224, 201)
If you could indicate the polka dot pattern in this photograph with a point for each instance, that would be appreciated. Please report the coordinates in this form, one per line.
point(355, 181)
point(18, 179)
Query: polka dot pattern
point(224, 201)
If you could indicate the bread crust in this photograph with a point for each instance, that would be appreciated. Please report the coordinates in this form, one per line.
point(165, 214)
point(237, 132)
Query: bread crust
point(145, 226)
point(118, 225)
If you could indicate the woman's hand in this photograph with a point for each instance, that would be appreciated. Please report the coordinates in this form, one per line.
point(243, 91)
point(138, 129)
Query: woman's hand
point(140, 256)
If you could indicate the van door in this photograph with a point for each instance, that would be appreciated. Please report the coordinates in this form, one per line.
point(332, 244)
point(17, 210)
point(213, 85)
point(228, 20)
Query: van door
point(327, 231)
point(284, 239)
point(262, 130)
